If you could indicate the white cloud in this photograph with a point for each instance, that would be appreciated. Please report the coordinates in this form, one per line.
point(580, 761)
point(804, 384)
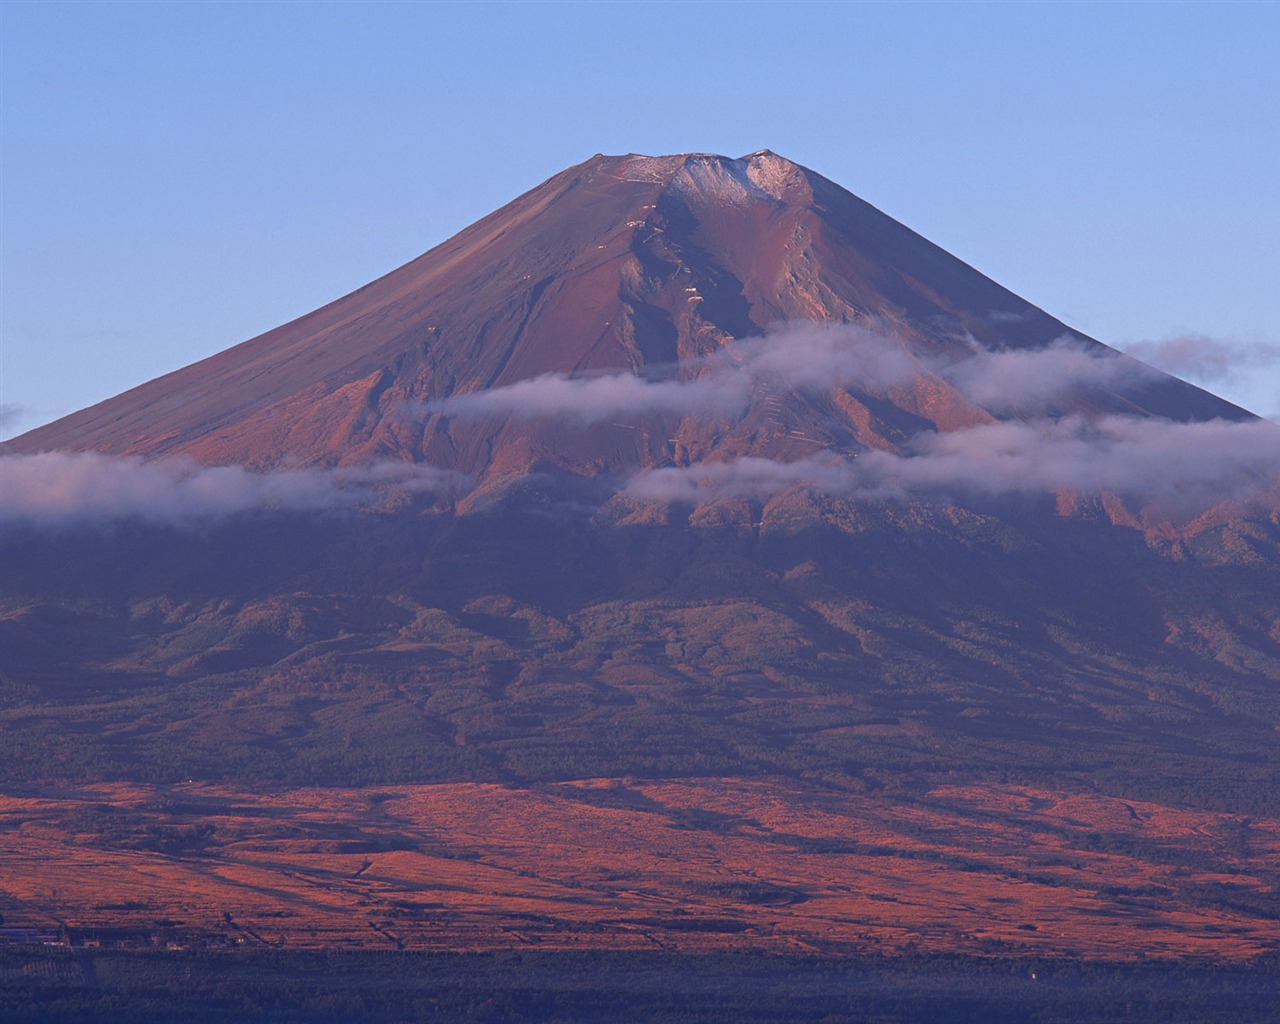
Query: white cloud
point(1179, 464)
point(806, 355)
point(817, 356)
point(59, 487)
point(1184, 467)
point(813, 357)
point(1036, 379)
point(1205, 358)
point(593, 399)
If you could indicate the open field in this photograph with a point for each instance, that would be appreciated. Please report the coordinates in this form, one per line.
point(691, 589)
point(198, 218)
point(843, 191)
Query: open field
point(708, 865)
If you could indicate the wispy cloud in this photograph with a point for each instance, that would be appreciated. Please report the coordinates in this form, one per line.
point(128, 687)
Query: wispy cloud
point(10, 416)
point(1182, 467)
point(805, 356)
point(594, 399)
point(818, 356)
point(1036, 379)
point(58, 488)
point(809, 355)
point(1205, 358)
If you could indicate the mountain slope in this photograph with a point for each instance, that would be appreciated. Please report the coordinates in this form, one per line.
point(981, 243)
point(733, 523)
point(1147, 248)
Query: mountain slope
point(632, 264)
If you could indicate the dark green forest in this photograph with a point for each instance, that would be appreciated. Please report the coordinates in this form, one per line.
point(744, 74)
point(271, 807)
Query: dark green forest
point(56, 985)
point(526, 646)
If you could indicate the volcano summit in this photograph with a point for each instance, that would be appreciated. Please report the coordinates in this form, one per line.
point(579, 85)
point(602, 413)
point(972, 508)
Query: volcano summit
point(684, 554)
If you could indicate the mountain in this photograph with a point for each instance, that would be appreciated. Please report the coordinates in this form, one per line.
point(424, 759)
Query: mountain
point(635, 264)
point(683, 503)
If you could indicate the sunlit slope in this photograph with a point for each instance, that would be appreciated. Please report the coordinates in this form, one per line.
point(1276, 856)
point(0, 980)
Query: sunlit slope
point(636, 264)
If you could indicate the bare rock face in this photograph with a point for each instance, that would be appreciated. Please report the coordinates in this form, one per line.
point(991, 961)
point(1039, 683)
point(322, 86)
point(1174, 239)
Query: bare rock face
point(647, 266)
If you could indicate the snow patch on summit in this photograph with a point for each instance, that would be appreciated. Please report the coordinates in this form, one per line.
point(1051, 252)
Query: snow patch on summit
point(719, 181)
point(774, 175)
point(707, 177)
point(656, 169)
point(759, 177)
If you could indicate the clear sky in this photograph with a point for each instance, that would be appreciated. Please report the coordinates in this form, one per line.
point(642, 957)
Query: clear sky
point(177, 178)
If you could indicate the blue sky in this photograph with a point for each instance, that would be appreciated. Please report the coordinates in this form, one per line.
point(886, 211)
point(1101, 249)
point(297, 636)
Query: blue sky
point(179, 177)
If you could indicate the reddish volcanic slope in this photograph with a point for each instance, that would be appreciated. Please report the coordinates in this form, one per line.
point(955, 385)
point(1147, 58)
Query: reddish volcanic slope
point(705, 864)
point(621, 263)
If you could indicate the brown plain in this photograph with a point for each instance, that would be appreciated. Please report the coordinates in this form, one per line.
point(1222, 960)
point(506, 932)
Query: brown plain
point(690, 864)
